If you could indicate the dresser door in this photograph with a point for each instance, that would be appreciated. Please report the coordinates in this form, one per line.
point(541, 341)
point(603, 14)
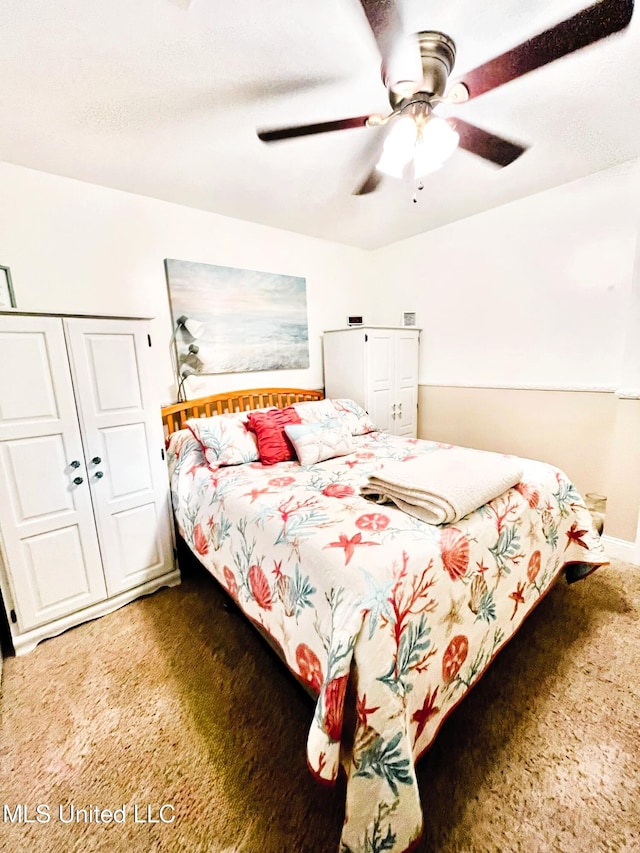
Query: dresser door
point(124, 445)
point(53, 564)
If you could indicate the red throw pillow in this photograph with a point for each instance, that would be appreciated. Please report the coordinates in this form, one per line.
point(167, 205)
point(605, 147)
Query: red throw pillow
point(273, 443)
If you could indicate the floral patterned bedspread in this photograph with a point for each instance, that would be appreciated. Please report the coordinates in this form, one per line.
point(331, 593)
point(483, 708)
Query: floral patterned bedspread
point(414, 612)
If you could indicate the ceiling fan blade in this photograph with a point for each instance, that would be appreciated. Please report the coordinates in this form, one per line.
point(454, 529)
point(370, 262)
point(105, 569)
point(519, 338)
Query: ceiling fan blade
point(588, 26)
point(401, 62)
point(254, 90)
point(385, 22)
point(370, 155)
point(487, 145)
point(308, 129)
point(370, 183)
point(458, 94)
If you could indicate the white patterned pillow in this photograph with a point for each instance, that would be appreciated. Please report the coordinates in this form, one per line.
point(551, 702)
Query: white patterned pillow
point(357, 420)
point(315, 410)
point(225, 439)
point(320, 440)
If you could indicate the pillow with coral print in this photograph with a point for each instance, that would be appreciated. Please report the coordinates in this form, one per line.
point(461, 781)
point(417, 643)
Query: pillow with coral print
point(320, 440)
point(315, 410)
point(357, 420)
point(225, 439)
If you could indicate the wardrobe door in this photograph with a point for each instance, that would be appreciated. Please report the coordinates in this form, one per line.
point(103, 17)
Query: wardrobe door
point(124, 445)
point(380, 402)
point(53, 564)
point(405, 369)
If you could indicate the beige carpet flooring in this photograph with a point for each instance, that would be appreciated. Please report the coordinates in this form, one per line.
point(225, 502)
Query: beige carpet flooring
point(175, 700)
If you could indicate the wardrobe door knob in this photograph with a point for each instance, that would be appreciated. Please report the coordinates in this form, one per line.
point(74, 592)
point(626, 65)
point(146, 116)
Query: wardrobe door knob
point(99, 475)
point(78, 480)
point(96, 460)
point(75, 464)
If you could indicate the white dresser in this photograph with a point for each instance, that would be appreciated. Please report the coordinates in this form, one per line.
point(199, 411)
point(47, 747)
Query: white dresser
point(377, 366)
point(85, 516)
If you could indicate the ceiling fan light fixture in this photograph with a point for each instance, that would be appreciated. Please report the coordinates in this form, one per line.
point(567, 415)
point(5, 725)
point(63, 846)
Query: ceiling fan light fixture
point(425, 144)
point(399, 147)
point(436, 141)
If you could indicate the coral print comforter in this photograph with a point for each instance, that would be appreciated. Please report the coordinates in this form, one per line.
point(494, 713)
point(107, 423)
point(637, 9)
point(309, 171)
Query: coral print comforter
point(412, 611)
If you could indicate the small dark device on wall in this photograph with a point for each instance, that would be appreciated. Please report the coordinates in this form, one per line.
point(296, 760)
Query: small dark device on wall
point(354, 320)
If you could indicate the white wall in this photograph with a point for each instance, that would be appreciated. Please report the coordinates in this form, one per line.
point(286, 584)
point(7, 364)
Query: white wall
point(534, 293)
point(542, 293)
point(78, 248)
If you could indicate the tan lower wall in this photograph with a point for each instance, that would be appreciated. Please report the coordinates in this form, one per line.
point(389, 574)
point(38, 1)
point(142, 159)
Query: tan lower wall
point(594, 437)
point(622, 472)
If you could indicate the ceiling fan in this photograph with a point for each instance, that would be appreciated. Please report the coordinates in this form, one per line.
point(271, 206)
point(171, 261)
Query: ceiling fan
point(416, 71)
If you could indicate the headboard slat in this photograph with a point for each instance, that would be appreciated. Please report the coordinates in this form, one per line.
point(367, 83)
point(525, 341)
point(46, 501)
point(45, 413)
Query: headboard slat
point(175, 415)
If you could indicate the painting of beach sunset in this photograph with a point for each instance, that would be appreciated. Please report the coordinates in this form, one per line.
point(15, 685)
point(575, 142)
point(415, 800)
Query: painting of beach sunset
point(252, 320)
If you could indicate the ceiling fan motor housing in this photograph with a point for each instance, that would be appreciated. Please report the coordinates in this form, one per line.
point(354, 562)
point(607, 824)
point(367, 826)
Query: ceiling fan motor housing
point(437, 55)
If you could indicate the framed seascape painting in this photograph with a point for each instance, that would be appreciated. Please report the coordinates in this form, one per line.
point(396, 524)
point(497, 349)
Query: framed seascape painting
point(248, 320)
point(7, 297)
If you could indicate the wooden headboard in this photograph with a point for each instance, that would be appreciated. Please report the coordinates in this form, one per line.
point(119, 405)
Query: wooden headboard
point(175, 415)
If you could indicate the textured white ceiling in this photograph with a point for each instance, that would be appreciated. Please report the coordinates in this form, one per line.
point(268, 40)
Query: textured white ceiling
point(163, 98)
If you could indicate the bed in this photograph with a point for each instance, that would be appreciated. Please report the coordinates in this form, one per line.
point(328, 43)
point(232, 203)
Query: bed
point(386, 619)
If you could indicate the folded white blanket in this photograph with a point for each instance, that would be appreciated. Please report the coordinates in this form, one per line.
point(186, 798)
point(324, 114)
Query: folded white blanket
point(444, 486)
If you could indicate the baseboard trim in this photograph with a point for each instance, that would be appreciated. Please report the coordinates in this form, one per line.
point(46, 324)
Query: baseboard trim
point(620, 549)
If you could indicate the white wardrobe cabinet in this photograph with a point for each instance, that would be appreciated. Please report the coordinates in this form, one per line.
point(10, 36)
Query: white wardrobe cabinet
point(85, 517)
point(377, 366)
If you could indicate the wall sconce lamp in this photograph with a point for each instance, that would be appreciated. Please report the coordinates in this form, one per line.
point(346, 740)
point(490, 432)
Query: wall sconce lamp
point(187, 363)
point(185, 371)
point(193, 328)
